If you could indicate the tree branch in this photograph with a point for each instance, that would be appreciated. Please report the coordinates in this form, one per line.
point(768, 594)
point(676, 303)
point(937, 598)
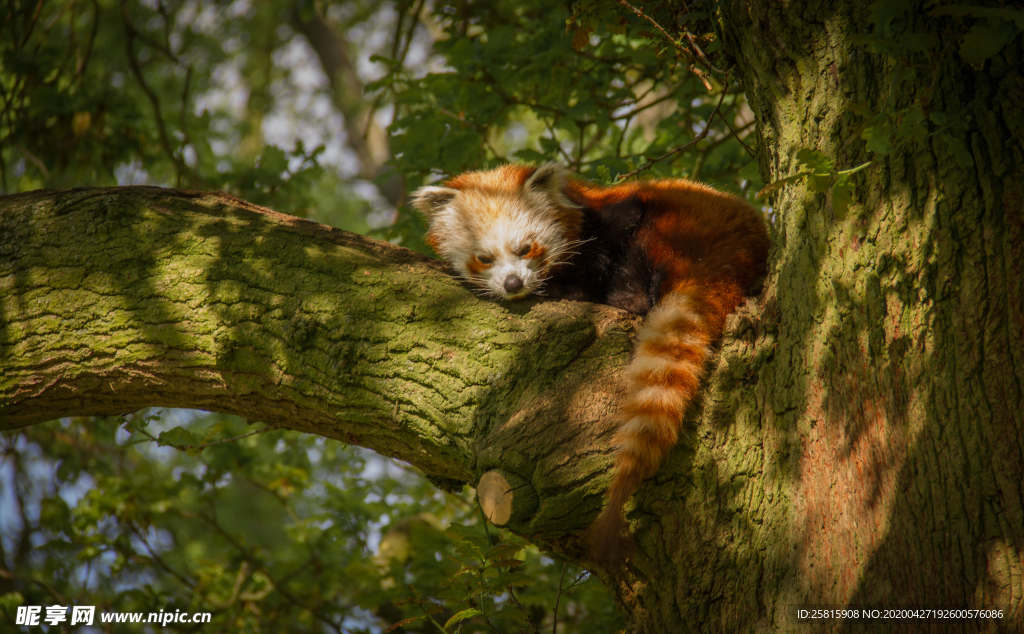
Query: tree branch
point(112, 300)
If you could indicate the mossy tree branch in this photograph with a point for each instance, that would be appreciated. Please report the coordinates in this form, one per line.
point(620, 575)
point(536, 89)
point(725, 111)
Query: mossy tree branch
point(112, 300)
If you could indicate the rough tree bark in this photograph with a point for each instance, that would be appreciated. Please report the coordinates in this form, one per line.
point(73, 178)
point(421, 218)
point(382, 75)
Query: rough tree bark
point(860, 439)
point(113, 300)
point(877, 455)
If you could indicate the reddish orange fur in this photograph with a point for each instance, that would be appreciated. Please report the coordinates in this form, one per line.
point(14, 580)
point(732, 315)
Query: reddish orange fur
point(475, 265)
point(711, 247)
point(536, 251)
point(506, 180)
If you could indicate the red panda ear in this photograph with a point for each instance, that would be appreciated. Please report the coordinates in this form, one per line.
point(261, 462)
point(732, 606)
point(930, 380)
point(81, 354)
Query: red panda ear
point(431, 200)
point(548, 178)
point(549, 181)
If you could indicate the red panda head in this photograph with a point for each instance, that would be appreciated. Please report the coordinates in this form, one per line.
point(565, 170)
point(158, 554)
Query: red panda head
point(503, 229)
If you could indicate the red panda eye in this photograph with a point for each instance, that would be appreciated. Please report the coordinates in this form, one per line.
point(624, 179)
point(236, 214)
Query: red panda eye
point(524, 250)
point(485, 259)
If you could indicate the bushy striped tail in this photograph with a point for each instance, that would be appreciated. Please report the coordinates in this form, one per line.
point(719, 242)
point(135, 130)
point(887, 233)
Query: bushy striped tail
point(663, 379)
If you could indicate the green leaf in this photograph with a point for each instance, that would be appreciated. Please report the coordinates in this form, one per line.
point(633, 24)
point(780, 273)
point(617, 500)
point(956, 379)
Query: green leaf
point(528, 155)
point(11, 601)
point(913, 127)
point(581, 39)
point(177, 437)
point(273, 160)
point(918, 42)
point(984, 41)
point(842, 198)
point(607, 169)
point(512, 578)
point(958, 151)
point(854, 170)
point(816, 160)
point(878, 136)
point(471, 537)
point(454, 593)
point(405, 622)
point(883, 12)
point(995, 13)
point(751, 171)
point(55, 514)
point(211, 433)
point(819, 183)
point(461, 616)
point(779, 184)
point(862, 108)
point(505, 550)
point(615, 28)
point(549, 145)
point(515, 614)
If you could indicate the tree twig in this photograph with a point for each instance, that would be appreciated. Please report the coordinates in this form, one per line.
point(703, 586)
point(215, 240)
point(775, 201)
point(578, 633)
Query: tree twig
point(699, 137)
point(736, 133)
point(529, 621)
point(133, 63)
point(204, 445)
point(182, 579)
point(558, 597)
point(31, 27)
point(554, 137)
point(638, 108)
point(83, 63)
point(679, 47)
point(35, 160)
point(724, 138)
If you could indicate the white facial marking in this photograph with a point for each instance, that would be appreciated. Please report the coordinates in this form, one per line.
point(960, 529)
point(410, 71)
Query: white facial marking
point(489, 249)
point(486, 230)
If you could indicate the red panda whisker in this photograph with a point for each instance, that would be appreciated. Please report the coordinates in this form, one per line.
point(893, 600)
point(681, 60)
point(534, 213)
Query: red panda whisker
point(576, 243)
point(567, 262)
point(557, 257)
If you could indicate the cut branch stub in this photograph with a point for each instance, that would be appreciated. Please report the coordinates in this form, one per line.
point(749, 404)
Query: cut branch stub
point(506, 497)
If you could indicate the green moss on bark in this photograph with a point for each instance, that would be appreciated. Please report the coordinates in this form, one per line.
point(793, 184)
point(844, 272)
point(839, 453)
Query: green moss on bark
point(114, 300)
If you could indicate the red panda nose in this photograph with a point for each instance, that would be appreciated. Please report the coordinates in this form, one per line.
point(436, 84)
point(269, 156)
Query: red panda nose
point(513, 284)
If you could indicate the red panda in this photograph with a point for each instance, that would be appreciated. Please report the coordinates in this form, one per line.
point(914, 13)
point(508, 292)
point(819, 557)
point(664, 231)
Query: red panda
point(677, 251)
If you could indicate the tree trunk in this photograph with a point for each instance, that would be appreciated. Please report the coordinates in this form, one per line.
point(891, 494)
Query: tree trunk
point(861, 444)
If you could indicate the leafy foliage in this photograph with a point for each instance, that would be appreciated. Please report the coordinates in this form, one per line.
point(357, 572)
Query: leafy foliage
point(175, 93)
point(275, 531)
point(519, 85)
point(517, 88)
point(994, 29)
